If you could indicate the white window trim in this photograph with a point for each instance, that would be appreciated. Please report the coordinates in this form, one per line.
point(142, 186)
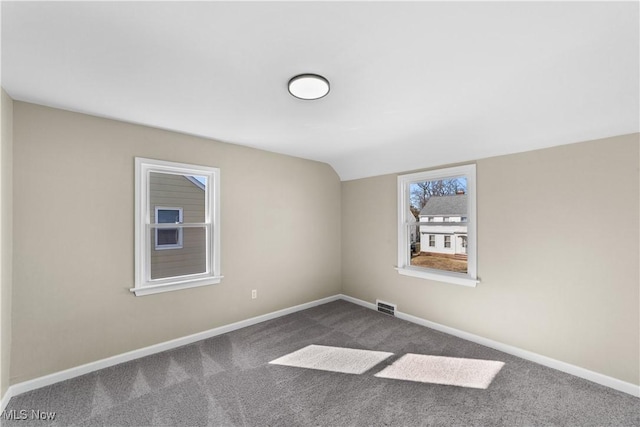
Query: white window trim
point(144, 285)
point(180, 219)
point(404, 267)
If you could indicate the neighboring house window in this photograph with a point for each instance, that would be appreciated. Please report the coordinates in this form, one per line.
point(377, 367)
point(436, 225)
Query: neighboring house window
point(177, 226)
point(168, 238)
point(449, 196)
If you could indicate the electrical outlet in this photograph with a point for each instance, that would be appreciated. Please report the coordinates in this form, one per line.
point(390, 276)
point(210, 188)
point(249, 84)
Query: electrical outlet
point(254, 294)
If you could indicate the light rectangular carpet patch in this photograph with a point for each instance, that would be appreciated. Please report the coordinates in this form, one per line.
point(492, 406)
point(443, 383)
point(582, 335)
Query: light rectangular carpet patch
point(334, 359)
point(473, 373)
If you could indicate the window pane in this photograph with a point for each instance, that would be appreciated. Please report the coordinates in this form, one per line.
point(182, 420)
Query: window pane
point(190, 258)
point(442, 203)
point(185, 192)
point(168, 236)
point(168, 216)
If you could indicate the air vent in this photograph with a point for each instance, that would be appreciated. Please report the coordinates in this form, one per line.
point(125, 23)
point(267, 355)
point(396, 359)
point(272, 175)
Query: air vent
point(386, 307)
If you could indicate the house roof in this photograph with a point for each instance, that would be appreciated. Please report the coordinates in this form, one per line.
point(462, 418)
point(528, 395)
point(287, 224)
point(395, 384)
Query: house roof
point(195, 181)
point(445, 205)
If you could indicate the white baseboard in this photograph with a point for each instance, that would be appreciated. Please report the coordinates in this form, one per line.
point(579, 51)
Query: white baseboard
point(595, 377)
point(56, 377)
point(357, 301)
point(5, 399)
point(67, 374)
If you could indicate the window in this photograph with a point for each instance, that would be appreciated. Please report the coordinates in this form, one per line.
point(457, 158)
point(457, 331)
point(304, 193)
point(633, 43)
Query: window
point(168, 238)
point(177, 226)
point(445, 195)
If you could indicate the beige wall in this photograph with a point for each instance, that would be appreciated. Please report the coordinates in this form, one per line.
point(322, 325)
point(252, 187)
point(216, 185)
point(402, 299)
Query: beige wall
point(567, 288)
point(74, 260)
point(558, 251)
point(6, 239)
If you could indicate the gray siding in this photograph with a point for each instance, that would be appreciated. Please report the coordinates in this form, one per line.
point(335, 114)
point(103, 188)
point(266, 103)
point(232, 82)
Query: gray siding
point(176, 191)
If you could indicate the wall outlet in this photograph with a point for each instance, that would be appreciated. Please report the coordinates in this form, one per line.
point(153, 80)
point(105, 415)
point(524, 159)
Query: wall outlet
point(254, 294)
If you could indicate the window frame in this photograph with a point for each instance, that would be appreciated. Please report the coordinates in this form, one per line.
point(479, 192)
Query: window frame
point(144, 285)
point(179, 243)
point(404, 266)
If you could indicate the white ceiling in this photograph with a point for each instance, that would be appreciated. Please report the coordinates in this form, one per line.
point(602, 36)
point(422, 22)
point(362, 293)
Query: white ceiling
point(413, 85)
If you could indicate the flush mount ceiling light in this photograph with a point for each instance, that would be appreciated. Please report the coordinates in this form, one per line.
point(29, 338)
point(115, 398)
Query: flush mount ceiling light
point(308, 86)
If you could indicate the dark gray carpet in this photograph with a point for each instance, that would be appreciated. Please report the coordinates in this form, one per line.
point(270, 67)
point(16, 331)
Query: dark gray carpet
point(227, 380)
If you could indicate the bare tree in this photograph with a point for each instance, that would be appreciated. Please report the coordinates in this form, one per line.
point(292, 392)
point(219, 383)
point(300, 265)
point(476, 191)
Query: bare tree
point(422, 191)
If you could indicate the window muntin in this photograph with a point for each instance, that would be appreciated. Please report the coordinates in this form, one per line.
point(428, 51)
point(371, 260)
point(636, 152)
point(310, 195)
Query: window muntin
point(452, 256)
point(177, 226)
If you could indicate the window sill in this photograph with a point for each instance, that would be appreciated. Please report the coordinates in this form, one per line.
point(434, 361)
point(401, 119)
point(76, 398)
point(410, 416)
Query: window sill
point(168, 287)
point(439, 276)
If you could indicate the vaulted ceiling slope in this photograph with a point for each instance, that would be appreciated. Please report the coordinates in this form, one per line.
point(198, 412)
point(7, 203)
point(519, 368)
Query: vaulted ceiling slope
point(413, 84)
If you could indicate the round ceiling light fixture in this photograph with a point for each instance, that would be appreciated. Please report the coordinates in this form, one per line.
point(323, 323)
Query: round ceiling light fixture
point(308, 86)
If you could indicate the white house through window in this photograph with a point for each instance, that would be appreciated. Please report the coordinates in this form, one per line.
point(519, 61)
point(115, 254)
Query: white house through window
point(441, 204)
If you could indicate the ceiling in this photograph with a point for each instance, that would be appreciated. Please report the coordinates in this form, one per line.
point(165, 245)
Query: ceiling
point(413, 85)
